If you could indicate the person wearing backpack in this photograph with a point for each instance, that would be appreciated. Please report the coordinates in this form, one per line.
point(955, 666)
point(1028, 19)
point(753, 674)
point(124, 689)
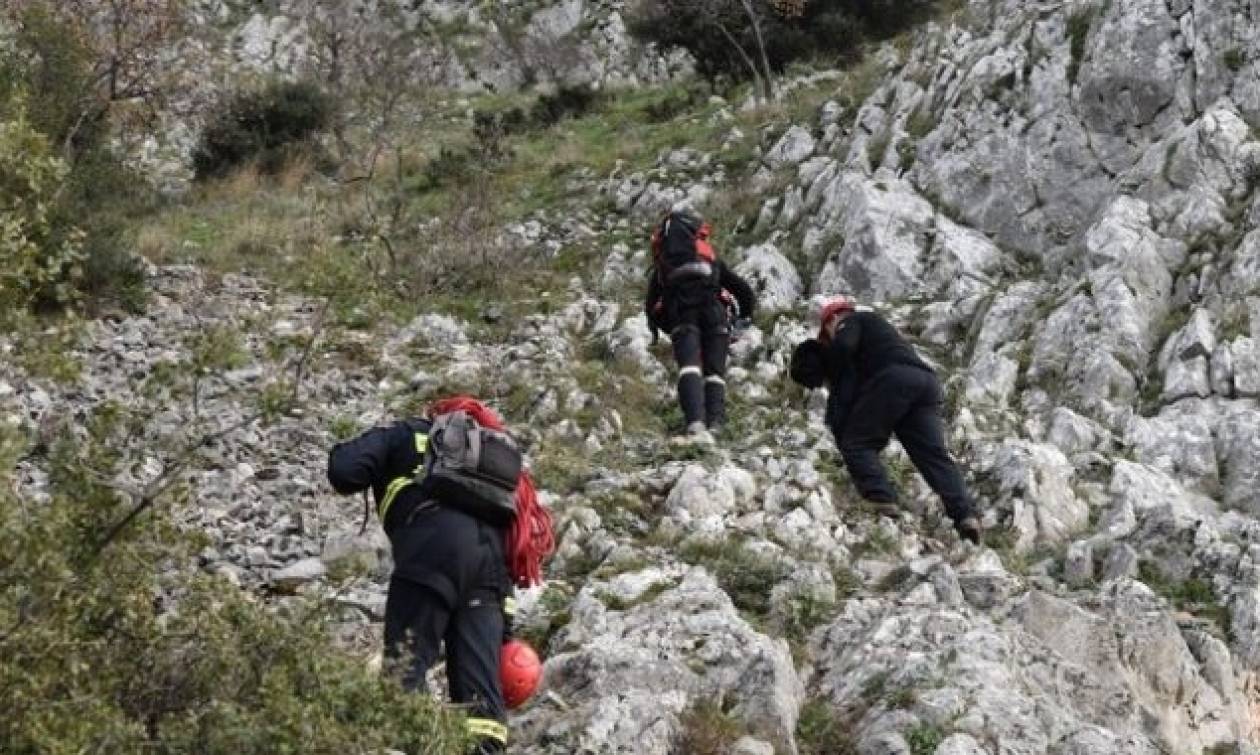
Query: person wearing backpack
point(464, 525)
point(695, 297)
point(879, 387)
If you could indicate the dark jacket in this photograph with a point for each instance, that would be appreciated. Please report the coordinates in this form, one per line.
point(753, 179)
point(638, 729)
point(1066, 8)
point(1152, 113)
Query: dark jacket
point(377, 458)
point(662, 300)
point(864, 345)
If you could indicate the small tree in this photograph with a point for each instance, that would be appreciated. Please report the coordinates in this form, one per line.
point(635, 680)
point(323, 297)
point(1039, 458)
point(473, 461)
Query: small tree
point(376, 65)
point(122, 53)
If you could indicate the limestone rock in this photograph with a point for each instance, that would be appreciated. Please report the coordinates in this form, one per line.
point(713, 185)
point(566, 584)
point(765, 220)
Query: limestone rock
point(793, 147)
point(773, 276)
point(298, 574)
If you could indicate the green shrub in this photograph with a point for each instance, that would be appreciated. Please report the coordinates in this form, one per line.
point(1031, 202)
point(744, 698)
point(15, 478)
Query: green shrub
point(129, 650)
point(566, 102)
point(829, 30)
point(268, 125)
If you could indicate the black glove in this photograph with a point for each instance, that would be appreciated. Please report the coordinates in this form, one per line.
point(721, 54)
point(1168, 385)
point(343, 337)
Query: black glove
point(809, 366)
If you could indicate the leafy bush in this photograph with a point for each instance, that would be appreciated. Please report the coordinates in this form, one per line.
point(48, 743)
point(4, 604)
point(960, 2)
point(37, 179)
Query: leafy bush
point(566, 102)
point(40, 259)
point(129, 651)
point(491, 126)
point(832, 30)
point(268, 125)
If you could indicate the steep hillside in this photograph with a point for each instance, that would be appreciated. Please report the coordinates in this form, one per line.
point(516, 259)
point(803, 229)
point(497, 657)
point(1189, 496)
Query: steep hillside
point(1056, 200)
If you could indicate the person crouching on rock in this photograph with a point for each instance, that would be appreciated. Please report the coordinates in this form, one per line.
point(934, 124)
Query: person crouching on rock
point(464, 524)
point(693, 296)
point(877, 387)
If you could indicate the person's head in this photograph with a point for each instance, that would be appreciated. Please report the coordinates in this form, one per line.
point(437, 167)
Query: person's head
point(832, 314)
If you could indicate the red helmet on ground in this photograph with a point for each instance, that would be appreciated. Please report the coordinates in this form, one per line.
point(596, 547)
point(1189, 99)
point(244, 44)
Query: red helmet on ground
point(520, 672)
point(832, 308)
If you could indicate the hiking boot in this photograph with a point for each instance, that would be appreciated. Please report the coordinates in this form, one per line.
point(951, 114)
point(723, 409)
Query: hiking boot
point(695, 434)
point(968, 529)
point(884, 508)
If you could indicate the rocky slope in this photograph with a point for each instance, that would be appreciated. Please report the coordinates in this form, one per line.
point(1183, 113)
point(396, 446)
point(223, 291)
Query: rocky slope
point(1056, 199)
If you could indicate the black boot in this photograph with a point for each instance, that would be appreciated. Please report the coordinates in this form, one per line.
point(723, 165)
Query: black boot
point(715, 402)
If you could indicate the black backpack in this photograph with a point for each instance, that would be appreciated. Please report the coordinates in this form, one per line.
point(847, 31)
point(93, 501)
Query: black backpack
point(681, 250)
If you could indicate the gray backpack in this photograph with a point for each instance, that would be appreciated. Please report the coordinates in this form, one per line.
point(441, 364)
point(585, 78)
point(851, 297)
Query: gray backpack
point(472, 468)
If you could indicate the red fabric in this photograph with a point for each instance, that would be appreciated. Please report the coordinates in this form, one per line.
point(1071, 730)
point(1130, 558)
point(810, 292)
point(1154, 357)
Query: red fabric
point(530, 540)
point(831, 309)
point(705, 250)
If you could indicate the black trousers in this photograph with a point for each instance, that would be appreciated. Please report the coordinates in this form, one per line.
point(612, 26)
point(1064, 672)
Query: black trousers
point(701, 338)
point(905, 401)
point(448, 587)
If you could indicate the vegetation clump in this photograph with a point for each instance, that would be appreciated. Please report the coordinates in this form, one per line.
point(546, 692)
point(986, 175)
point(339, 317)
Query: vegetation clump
point(269, 125)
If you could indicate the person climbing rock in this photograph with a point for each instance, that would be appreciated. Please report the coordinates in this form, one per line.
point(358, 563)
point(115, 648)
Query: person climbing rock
point(878, 386)
point(696, 298)
point(464, 524)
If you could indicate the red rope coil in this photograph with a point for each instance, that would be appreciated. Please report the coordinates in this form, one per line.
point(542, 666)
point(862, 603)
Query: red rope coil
point(530, 540)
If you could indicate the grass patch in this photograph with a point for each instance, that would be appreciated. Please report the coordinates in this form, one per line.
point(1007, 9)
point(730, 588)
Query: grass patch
point(706, 729)
point(746, 575)
point(556, 603)
point(924, 739)
point(804, 614)
point(617, 603)
point(822, 730)
point(45, 349)
point(921, 122)
point(1192, 594)
point(1234, 58)
point(1078, 27)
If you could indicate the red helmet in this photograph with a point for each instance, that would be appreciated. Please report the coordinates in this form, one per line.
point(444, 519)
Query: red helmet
point(830, 310)
point(520, 672)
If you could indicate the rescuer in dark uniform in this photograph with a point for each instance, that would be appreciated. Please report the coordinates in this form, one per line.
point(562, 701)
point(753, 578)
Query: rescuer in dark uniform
point(694, 296)
point(451, 576)
point(878, 386)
